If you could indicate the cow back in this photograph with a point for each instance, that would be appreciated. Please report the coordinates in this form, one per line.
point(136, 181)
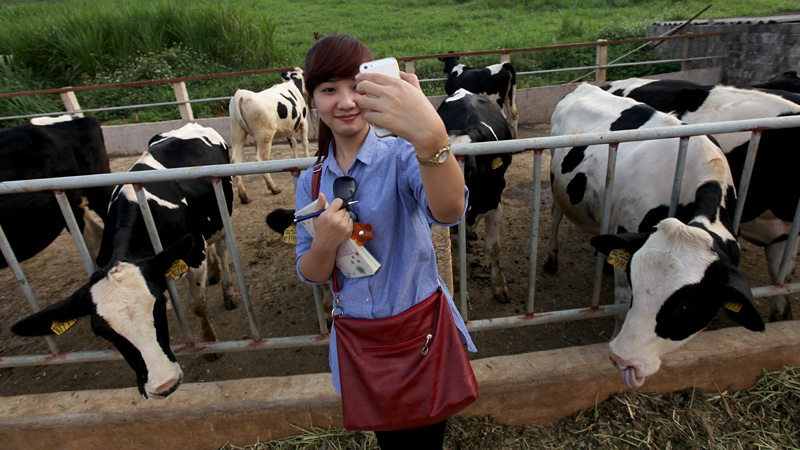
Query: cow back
point(178, 207)
point(33, 220)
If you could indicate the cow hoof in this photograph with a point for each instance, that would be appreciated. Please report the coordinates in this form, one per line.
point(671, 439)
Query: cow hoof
point(229, 302)
point(502, 297)
point(551, 265)
point(211, 357)
point(275, 191)
point(245, 200)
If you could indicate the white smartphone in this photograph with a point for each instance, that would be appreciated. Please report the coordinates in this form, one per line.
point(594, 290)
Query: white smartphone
point(386, 66)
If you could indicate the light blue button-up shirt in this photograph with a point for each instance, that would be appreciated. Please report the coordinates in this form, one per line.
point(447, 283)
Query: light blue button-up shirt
point(391, 198)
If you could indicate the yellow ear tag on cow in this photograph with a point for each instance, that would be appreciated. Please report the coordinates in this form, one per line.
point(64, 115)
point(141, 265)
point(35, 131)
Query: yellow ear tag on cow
point(619, 258)
point(497, 162)
point(178, 268)
point(290, 234)
point(60, 327)
point(733, 306)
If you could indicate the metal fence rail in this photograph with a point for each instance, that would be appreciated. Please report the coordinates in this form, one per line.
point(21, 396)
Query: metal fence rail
point(536, 145)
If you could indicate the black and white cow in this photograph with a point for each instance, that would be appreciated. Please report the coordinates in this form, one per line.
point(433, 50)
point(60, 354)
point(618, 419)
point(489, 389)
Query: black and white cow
point(679, 271)
point(787, 81)
point(45, 149)
point(126, 296)
point(773, 193)
point(497, 82)
point(472, 118)
point(274, 113)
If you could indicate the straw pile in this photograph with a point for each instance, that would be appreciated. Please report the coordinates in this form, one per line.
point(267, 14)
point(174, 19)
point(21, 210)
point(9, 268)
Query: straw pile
point(766, 416)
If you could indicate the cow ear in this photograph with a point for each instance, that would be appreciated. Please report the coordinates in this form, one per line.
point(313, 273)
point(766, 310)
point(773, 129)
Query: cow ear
point(175, 259)
point(56, 318)
point(631, 242)
point(280, 219)
point(738, 302)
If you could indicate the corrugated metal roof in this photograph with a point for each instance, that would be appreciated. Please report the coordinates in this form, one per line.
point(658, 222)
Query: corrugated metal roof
point(782, 18)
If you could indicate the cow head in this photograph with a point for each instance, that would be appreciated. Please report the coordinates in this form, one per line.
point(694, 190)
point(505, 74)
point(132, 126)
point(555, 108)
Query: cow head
point(296, 76)
point(680, 277)
point(127, 306)
point(449, 63)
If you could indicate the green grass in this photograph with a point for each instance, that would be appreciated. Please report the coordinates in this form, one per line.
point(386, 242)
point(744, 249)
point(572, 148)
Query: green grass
point(51, 44)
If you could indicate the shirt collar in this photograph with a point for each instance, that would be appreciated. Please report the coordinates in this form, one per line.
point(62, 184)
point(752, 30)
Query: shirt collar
point(366, 153)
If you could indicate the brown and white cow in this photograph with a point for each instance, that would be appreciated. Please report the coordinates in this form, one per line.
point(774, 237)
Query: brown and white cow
point(125, 298)
point(679, 271)
point(274, 113)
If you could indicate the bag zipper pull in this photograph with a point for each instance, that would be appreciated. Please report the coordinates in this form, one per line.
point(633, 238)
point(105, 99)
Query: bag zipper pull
point(425, 347)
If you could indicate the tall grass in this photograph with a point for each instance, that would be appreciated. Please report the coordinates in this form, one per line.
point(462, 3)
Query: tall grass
point(70, 42)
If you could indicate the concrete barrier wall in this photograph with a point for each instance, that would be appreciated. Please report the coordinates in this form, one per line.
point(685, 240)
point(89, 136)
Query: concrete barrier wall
point(532, 388)
point(534, 106)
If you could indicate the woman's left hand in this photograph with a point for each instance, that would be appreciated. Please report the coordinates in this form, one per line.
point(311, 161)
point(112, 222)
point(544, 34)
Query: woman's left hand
point(401, 107)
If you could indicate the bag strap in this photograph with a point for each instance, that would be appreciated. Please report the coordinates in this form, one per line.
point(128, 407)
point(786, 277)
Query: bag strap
point(316, 177)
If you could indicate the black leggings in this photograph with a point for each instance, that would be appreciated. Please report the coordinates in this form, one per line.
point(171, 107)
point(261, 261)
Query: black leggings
point(424, 438)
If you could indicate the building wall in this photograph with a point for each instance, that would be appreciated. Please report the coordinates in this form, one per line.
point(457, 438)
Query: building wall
point(755, 51)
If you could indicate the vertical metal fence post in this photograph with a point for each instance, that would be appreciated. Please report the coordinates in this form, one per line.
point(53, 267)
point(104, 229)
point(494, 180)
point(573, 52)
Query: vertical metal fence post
point(237, 263)
point(409, 67)
point(16, 269)
point(534, 244)
point(144, 207)
point(319, 296)
point(75, 231)
point(679, 169)
point(462, 260)
point(791, 249)
point(604, 224)
point(744, 184)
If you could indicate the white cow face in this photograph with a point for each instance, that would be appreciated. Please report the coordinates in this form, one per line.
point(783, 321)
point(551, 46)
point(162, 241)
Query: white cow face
point(680, 277)
point(127, 306)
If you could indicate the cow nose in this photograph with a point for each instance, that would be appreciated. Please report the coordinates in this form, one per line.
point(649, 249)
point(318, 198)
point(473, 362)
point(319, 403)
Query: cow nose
point(618, 361)
point(167, 388)
point(627, 371)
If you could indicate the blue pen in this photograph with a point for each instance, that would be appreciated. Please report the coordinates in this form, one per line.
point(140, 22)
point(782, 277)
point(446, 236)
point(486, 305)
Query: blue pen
point(316, 213)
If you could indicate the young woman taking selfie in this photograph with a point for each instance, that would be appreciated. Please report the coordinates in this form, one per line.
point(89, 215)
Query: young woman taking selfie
point(402, 184)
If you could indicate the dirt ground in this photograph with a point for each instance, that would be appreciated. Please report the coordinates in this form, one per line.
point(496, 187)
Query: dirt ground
point(284, 306)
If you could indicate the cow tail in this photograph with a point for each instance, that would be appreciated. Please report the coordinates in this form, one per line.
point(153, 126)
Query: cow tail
point(238, 98)
point(511, 90)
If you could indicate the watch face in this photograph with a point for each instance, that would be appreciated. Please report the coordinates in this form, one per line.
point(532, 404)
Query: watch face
point(443, 156)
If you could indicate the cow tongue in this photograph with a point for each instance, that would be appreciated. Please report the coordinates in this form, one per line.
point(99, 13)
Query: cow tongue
point(630, 379)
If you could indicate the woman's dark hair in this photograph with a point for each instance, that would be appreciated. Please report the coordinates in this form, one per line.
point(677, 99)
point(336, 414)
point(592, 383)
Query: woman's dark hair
point(333, 57)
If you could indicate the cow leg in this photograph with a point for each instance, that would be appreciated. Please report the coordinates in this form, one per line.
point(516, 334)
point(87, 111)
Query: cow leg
point(238, 137)
point(511, 114)
point(551, 263)
point(264, 144)
point(212, 262)
point(293, 145)
point(223, 253)
point(92, 229)
point(304, 136)
point(197, 301)
point(781, 308)
point(492, 219)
